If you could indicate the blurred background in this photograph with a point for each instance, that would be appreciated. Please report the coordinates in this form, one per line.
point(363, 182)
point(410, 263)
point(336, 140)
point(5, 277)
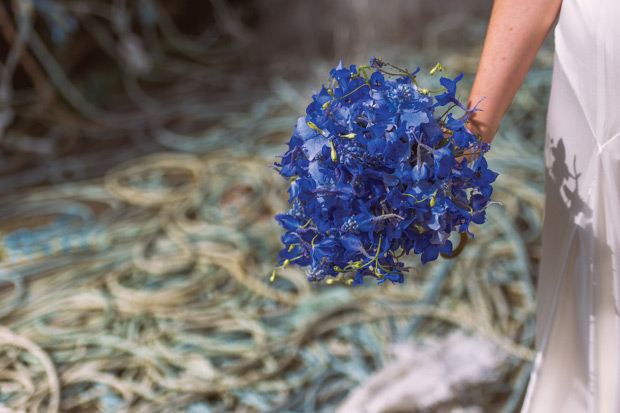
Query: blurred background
point(136, 216)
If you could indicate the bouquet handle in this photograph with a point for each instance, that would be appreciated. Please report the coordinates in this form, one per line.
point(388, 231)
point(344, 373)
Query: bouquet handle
point(457, 251)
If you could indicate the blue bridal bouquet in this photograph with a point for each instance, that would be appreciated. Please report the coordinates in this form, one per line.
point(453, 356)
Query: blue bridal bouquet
point(375, 173)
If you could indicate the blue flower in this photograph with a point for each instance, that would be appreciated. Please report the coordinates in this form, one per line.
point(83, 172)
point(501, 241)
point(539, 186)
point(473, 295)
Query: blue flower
point(376, 62)
point(483, 177)
point(450, 94)
point(373, 173)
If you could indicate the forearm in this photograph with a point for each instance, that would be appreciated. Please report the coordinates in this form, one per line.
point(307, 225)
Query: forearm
point(517, 29)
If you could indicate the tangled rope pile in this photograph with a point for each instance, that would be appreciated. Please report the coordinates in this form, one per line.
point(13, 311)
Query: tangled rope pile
point(147, 288)
point(176, 303)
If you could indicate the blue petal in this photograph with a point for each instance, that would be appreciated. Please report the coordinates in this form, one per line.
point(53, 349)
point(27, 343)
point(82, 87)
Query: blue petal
point(413, 118)
point(303, 130)
point(313, 146)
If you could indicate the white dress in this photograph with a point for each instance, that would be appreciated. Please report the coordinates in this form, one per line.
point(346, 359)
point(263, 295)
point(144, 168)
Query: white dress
point(577, 365)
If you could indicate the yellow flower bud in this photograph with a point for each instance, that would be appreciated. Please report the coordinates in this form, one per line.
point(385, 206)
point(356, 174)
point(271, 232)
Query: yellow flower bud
point(334, 153)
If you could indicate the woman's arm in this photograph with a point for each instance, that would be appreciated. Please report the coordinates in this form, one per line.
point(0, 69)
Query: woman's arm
point(516, 31)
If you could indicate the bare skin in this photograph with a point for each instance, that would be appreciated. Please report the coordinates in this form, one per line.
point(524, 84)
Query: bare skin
point(517, 29)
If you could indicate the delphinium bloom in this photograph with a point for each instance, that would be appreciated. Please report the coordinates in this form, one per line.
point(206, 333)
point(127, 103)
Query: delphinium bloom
point(377, 170)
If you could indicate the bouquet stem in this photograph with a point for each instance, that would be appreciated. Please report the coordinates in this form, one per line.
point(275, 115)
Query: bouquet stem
point(457, 251)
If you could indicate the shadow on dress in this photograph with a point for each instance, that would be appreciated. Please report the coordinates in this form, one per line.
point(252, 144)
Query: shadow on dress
point(573, 266)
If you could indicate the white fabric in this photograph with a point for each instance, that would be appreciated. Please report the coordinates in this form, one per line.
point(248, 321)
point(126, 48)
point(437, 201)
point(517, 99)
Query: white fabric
point(436, 372)
point(577, 366)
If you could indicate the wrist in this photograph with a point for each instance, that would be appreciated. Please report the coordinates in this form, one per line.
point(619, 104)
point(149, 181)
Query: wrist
point(479, 123)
